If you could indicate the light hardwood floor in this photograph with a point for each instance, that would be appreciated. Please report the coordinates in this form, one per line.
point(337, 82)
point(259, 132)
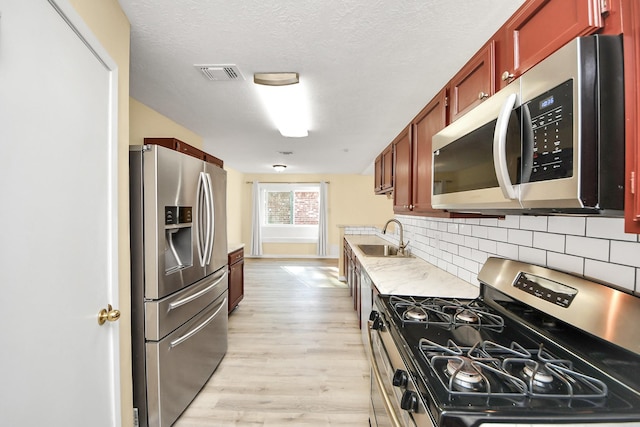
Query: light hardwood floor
point(295, 354)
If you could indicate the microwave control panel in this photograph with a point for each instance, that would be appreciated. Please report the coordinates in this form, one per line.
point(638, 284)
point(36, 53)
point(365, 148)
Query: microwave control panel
point(551, 133)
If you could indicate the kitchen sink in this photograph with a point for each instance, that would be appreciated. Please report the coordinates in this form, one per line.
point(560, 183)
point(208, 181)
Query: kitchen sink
point(382, 251)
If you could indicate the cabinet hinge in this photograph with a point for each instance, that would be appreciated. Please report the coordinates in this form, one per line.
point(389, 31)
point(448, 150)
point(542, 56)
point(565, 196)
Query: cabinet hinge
point(604, 7)
point(136, 419)
point(446, 101)
point(632, 182)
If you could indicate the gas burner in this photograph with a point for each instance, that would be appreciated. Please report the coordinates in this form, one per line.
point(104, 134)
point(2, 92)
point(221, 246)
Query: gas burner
point(463, 373)
point(540, 375)
point(415, 313)
point(467, 316)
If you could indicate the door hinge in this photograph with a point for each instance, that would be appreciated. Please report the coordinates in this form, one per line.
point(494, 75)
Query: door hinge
point(136, 419)
point(604, 7)
point(632, 182)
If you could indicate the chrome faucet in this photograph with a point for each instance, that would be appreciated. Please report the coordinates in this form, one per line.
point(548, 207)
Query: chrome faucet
point(401, 245)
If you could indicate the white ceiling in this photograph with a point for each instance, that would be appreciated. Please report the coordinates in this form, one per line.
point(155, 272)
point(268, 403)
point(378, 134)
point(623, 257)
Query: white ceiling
point(369, 67)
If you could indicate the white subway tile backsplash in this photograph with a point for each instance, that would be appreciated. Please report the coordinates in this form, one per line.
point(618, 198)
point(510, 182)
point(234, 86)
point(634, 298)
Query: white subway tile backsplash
point(479, 256)
point(497, 233)
point(520, 237)
point(466, 229)
point(471, 242)
point(618, 275)
point(588, 247)
point(464, 275)
point(480, 231)
point(564, 262)
point(609, 228)
point(490, 246)
point(625, 253)
point(567, 225)
point(507, 250)
point(596, 247)
point(465, 252)
point(548, 241)
point(509, 221)
point(533, 256)
point(491, 222)
point(538, 223)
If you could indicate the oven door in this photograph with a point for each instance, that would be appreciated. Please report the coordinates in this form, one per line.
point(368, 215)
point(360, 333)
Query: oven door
point(384, 408)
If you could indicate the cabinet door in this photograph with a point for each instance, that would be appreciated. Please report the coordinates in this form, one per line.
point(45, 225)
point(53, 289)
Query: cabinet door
point(402, 172)
point(387, 169)
point(236, 278)
point(377, 175)
point(541, 27)
point(430, 121)
point(631, 23)
point(474, 83)
point(383, 179)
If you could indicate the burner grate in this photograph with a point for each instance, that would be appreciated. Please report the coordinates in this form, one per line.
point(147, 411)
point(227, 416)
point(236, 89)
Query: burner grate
point(489, 370)
point(444, 313)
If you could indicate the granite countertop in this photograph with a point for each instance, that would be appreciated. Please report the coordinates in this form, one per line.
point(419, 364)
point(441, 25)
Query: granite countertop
point(408, 275)
point(232, 247)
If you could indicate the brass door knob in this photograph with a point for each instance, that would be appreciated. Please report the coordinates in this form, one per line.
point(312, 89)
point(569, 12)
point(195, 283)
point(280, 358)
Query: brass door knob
point(108, 314)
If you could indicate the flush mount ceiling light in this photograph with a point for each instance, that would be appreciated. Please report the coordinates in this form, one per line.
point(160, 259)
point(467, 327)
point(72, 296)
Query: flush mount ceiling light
point(283, 96)
point(276, 79)
point(279, 168)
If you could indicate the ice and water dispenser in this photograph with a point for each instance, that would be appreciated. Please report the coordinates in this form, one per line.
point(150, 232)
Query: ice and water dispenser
point(178, 251)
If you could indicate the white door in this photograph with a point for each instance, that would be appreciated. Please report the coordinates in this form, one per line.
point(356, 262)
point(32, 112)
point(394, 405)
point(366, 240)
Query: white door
point(58, 243)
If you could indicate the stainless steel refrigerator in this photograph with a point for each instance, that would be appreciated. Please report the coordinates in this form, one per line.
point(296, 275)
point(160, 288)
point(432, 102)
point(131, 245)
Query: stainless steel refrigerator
point(179, 279)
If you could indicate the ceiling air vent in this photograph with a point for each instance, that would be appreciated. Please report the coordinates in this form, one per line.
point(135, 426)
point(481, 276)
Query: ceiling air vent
point(220, 72)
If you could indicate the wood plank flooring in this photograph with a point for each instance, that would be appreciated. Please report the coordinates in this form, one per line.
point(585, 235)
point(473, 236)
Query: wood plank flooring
point(295, 354)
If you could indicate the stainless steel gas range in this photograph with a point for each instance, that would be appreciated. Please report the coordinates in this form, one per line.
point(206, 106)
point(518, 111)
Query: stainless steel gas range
point(537, 348)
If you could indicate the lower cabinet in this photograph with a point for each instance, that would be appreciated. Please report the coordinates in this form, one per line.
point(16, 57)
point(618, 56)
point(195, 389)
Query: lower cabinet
point(236, 278)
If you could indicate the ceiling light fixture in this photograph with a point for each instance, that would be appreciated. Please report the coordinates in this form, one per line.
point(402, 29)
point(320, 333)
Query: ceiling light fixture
point(279, 168)
point(283, 96)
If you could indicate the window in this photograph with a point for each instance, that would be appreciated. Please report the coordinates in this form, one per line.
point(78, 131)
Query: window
point(290, 212)
point(296, 207)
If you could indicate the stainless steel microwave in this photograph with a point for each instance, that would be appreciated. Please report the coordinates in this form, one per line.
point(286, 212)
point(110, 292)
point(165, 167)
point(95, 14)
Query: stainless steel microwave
point(551, 141)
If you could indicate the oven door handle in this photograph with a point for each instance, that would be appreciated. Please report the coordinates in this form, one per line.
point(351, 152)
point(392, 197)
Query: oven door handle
point(500, 148)
point(395, 421)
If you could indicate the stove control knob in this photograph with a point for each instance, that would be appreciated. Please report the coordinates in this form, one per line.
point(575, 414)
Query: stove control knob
point(409, 401)
point(376, 321)
point(400, 378)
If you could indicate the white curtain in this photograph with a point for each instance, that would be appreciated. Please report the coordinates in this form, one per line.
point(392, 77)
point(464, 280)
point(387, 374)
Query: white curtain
point(323, 229)
point(256, 238)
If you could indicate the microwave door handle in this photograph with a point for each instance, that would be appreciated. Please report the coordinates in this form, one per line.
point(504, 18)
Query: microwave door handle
point(500, 148)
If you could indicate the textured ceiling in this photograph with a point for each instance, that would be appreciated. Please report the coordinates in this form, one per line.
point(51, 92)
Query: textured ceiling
point(369, 66)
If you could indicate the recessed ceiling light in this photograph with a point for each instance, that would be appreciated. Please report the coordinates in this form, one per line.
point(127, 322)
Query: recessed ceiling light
point(279, 168)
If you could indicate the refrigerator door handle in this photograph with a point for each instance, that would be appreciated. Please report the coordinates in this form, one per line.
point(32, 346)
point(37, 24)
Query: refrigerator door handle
point(210, 219)
point(203, 224)
point(198, 328)
point(197, 295)
point(199, 243)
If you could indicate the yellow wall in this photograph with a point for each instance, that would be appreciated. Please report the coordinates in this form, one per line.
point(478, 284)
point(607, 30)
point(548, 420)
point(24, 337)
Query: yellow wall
point(110, 25)
point(148, 123)
point(235, 186)
point(351, 202)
